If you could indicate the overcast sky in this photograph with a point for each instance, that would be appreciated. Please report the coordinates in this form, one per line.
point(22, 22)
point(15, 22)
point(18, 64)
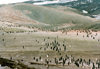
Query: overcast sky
point(10, 1)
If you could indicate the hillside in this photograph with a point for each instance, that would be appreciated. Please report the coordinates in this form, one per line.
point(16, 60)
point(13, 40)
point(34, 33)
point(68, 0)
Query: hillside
point(91, 6)
point(52, 16)
point(46, 18)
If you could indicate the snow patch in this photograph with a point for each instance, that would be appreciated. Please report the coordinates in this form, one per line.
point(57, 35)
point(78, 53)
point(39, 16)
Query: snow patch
point(46, 2)
point(52, 2)
point(84, 11)
point(97, 16)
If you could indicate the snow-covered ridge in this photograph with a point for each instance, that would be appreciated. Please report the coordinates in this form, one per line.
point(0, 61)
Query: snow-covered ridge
point(53, 2)
point(46, 2)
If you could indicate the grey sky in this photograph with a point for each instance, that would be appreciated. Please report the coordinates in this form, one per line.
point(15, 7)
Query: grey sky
point(10, 1)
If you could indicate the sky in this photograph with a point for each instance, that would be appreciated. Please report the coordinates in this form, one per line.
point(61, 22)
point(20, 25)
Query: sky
point(10, 1)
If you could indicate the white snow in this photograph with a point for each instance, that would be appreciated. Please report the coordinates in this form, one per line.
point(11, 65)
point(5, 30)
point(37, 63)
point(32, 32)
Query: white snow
point(97, 16)
point(84, 11)
point(53, 2)
point(46, 2)
point(38, 3)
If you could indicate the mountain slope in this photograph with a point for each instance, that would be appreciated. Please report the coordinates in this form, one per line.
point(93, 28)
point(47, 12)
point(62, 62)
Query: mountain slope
point(92, 6)
point(46, 18)
point(52, 16)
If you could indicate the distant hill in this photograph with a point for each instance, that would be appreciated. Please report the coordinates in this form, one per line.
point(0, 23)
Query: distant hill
point(49, 18)
point(92, 6)
point(52, 16)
